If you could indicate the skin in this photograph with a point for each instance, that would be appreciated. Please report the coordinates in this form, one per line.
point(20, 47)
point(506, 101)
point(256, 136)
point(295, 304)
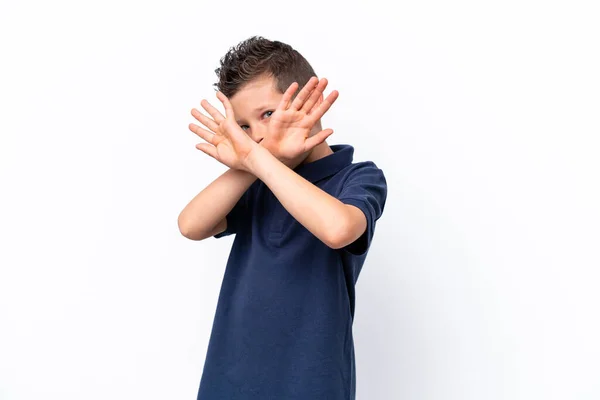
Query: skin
point(263, 135)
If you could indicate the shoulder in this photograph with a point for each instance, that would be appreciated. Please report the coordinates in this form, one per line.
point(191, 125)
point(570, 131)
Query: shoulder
point(362, 182)
point(363, 171)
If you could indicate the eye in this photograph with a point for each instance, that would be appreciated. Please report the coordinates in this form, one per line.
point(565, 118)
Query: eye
point(267, 112)
point(244, 127)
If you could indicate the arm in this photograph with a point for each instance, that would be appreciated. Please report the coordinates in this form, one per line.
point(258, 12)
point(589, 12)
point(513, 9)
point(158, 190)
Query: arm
point(336, 224)
point(205, 215)
point(289, 139)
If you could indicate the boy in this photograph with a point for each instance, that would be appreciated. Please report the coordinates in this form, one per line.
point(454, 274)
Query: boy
point(304, 217)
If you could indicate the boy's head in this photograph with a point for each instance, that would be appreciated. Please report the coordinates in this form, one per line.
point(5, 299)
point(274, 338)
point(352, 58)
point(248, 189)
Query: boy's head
point(258, 56)
point(255, 74)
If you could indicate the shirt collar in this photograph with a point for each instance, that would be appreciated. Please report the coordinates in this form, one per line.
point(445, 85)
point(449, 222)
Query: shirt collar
point(329, 165)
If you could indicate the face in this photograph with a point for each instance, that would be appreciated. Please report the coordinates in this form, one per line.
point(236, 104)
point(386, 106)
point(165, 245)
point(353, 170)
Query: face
point(254, 103)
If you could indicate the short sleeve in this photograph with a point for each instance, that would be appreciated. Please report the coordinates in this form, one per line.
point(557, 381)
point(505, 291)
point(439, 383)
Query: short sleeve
point(365, 188)
point(238, 216)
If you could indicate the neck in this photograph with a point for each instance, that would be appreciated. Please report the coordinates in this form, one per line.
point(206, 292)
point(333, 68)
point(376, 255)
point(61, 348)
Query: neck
point(320, 151)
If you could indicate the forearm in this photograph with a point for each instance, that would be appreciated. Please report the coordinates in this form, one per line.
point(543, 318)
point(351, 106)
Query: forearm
point(213, 203)
point(323, 215)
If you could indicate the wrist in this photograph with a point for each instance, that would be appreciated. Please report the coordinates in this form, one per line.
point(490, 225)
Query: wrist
point(255, 158)
point(262, 163)
point(245, 157)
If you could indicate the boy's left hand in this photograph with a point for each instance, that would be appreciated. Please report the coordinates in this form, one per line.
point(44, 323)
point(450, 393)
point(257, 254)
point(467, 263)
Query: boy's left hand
point(288, 136)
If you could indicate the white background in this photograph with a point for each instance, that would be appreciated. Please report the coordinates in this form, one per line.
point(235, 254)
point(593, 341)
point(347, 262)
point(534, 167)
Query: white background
point(482, 280)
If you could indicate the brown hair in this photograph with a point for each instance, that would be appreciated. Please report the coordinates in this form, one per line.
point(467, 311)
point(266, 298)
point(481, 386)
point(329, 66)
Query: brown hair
point(256, 56)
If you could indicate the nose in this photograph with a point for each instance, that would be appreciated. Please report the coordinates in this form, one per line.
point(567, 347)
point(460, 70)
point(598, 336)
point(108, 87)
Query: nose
point(258, 133)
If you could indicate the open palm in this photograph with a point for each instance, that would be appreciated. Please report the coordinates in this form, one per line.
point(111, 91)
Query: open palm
point(290, 125)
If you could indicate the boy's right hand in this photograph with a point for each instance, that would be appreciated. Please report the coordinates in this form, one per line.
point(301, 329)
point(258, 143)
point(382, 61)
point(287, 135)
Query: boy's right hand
point(289, 130)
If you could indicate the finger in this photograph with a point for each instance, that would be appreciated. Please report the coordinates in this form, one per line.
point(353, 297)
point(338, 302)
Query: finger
point(324, 106)
point(203, 133)
point(208, 149)
point(204, 120)
point(216, 114)
point(317, 139)
point(287, 96)
point(304, 93)
point(226, 104)
point(314, 96)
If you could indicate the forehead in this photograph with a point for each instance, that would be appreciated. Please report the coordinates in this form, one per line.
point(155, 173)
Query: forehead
point(259, 91)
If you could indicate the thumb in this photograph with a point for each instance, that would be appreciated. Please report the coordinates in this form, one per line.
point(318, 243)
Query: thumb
point(317, 139)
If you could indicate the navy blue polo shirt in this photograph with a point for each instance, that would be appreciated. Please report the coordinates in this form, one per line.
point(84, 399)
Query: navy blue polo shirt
point(283, 324)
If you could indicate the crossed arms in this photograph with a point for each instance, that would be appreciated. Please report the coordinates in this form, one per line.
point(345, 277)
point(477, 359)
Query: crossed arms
point(285, 145)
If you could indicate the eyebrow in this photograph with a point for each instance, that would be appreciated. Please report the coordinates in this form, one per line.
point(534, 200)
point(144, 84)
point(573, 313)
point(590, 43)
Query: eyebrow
point(263, 107)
